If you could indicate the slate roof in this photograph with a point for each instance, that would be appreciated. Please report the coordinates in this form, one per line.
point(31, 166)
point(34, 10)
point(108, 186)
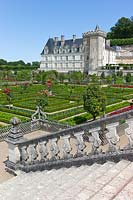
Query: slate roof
point(51, 44)
point(109, 48)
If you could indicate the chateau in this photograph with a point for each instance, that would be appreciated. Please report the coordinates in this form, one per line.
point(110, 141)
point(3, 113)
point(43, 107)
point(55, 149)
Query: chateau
point(87, 54)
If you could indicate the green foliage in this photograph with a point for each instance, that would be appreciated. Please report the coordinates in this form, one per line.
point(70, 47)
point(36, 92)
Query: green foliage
point(61, 77)
point(18, 65)
point(23, 75)
point(120, 42)
point(75, 77)
point(122, 121)
point(114, 77)
point(120, 73)
point(42, 101)
point(94, 100)
point(122, 29)
point(5, 117)
point(3, 62)
point(102, 75)
point(60, 101)
point(128, 77)
point(94, 78)
point(80, 119)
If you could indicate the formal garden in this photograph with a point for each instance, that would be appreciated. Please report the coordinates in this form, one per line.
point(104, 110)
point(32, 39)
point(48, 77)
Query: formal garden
point(61, 96)
point(61, 101)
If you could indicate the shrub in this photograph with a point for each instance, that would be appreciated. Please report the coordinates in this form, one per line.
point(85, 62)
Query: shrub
point(80, 119)
point(125, 41)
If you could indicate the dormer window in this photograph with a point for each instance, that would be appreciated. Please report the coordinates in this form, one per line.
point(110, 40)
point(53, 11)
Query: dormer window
point(74, 49)
point(66, 49)
point(61, 50)
point(46, 50)
point(55, 50)
point(81, 48)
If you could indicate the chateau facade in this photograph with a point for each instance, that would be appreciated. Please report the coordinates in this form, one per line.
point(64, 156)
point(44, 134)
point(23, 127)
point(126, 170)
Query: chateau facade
point(87, 54)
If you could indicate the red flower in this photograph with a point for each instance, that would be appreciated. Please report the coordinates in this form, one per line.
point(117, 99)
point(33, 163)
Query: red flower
point(123, 86)
point(6, 90)
point(49, 83)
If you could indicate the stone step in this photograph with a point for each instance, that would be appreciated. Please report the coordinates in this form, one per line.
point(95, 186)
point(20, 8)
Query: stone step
point(110, 183)
point(117, 184)
point(107, 181)
point(85, 182)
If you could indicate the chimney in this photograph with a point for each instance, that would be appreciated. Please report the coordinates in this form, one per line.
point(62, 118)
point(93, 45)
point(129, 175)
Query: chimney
point(74, 38)
point(56, 40)
point(62, 40)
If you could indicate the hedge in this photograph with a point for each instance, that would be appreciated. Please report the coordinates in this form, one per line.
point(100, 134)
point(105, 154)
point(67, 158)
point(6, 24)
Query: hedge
point(125, 41)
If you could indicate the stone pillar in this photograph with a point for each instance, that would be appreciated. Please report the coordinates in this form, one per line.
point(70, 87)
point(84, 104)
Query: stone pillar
point(15, 136)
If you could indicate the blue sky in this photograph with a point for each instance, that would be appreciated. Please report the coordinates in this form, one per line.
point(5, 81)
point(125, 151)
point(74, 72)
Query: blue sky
point(27, 24)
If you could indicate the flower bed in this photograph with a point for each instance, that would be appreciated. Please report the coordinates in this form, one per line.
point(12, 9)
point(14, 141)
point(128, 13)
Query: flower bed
point(122, 86)
point(125, 109)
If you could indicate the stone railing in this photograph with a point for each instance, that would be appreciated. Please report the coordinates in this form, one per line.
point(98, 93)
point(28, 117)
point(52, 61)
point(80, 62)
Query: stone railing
point(68, 147)
point(32, 126)
point(25, 128)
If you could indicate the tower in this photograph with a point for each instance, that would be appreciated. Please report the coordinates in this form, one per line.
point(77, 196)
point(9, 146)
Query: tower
point(94, 44)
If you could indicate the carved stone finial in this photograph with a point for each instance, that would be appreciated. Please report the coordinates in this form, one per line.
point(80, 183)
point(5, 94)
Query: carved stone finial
point(39, 114)
point(15, 121)
point(15, 133)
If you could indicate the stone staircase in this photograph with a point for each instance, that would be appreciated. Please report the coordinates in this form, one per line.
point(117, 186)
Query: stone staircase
point(96, 182)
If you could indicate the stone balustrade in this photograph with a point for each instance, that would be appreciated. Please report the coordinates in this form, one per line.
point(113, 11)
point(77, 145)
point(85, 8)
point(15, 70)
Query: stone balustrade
point(68, 147)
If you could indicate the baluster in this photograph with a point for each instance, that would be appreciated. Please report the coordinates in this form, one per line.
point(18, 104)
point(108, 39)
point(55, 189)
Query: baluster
point(54, 149)
point(79, 143)
point(43, 150)
point(65, 146)
point(24, 154)
point(129, 134)
point(96, 141)
point(32, 152)
point(112, 138)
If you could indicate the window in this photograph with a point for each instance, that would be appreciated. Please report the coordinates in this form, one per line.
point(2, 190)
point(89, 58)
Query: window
point(73, 57)
point(61, 50)
point(46, 50)
point(67, 58)
point(81, 57)
point(55, 57)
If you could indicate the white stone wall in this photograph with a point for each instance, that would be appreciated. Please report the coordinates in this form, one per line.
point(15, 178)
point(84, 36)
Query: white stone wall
point(109, 57)
point(63, 62)
point(91, 57)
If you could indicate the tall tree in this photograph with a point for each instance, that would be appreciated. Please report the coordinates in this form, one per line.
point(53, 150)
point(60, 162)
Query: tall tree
point(94, 100)
point(122, 29)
